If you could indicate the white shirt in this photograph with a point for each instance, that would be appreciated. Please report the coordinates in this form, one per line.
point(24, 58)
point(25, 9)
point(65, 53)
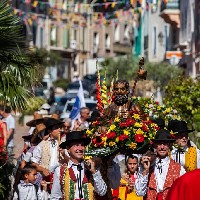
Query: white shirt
point(161, 177)
point(84, 125)
point(37, 155)
point(142, 181)
point(27, 191)
point(174, 154)
point(10, 121)
point(99, 184)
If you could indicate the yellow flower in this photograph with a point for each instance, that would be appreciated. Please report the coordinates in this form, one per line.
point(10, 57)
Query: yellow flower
point(159, 108)
point(167, 110)
point(117, 139)
point(88, 132)
point(139, 131)
point(117, 119)
point(87, 157)
point(104, 139)
point(111, 144)
point(138, 125)
point(112, 127)
point(147, 105)
point(136, 116)
point(132, 145)
point(126, 132)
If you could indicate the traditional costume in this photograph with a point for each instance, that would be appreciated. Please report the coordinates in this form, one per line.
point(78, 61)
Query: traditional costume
point(189, 156)
point(46, 152)
point(73, 181)
point(161, 176)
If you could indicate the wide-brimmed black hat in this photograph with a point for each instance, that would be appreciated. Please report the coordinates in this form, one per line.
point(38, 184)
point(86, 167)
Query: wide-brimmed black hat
point(38, 118)
point(160, 122)
point(75, 136)
point(178, 126)
point(50, 122)
point(27, 137)
point(163, 135)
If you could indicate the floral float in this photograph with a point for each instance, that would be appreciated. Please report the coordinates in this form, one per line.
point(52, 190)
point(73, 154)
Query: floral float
point(109, 134)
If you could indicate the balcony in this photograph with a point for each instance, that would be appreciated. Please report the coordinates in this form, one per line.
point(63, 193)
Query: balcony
point(170, 12)
point(122, 48)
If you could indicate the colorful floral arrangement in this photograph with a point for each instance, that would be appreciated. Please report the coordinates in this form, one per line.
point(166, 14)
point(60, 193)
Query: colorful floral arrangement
point(132, 133)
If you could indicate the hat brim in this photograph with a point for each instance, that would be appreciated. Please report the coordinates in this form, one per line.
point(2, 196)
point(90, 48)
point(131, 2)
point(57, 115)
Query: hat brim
point(67, 143)
point(27, 137)
point(34, 122)
point(184, 131)
point(55, 124)
point(166, 141)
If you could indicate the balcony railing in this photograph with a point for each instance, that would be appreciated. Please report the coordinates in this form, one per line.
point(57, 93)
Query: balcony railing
point(170, 4)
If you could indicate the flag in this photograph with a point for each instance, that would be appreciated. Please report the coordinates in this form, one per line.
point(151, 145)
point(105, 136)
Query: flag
point(79, 103)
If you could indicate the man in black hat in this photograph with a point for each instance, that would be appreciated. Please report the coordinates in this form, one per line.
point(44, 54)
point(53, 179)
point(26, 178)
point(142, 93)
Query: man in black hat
point(184, 152)
point(75, 179)
point(156, 182)
point(46, 153)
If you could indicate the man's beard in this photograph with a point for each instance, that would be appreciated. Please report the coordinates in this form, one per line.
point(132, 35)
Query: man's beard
point(120, 99)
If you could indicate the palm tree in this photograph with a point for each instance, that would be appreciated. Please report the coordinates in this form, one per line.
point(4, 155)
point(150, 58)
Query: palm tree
point(18, 70)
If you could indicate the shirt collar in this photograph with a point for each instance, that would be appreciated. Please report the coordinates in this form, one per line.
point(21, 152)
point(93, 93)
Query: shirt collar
point(25, 184)
point(164, 160)
point(70, 164)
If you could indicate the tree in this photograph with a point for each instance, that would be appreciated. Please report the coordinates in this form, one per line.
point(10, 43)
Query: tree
point(183, 93)
point(127, 68)
point(18, 71)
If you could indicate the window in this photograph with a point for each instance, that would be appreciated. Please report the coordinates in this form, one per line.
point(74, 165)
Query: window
point(96, 42)
point(41, 37)
point(154, 40)
point(166, 37)
point(126, 32)
point(53, 36)
point(107, 42)
point(65, 37)
point(117, 33)
point(83, 38)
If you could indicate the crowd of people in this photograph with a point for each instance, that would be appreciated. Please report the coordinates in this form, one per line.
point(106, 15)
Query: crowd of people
point(53, 164)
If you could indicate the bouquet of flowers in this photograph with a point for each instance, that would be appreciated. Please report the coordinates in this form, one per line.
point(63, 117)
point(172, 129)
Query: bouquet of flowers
point(154, 110)
point(132, 133)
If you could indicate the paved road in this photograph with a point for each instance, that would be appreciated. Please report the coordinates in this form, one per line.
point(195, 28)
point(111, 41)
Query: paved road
point(18, 140)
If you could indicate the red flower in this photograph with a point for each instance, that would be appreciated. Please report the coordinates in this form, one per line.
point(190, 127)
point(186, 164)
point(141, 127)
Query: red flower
point(157, 102)
point(130, 122)
point(139, 138)
point(111, 135)
point(172, 136)
point(145, 128)
point(123, 124)
point(123, 137)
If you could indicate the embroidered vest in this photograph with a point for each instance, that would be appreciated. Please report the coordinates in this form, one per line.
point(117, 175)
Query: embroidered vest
point(46, 155)
point(172, 174)
point(191, 159)
point(67, 182)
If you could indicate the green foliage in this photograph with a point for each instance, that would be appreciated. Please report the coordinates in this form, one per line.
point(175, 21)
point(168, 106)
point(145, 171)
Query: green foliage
point(6, 170)
point(46, 58)
point(183, 94)
point(63, 83)
point(2, 190)
point(19, 73)
point(127, 68)
point(33, 104)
